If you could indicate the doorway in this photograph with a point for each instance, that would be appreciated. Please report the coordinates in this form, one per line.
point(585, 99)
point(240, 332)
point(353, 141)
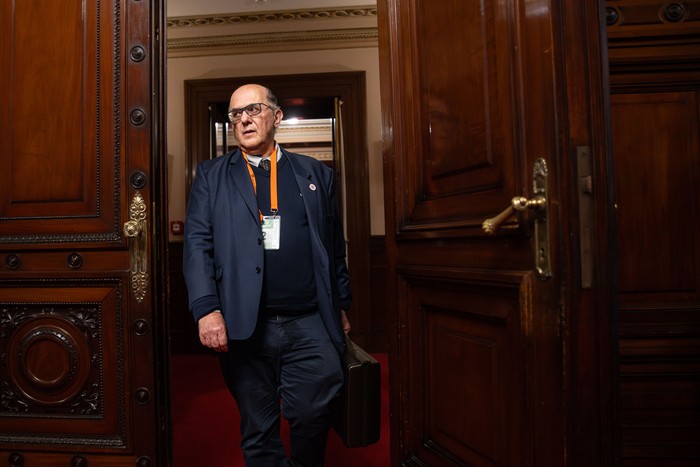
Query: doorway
point(313, 96)
point(348, 87)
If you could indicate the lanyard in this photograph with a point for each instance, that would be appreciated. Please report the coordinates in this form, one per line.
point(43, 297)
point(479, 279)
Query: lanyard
point(273, 181)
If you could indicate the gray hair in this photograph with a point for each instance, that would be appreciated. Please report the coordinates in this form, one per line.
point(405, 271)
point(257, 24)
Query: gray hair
point(271, 98)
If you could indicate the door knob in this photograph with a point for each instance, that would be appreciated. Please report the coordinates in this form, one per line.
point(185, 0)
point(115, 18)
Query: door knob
point(537, 205)
point(132, 229)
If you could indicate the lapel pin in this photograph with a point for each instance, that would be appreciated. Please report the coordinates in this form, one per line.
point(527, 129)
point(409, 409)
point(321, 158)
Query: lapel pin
point(312, 187)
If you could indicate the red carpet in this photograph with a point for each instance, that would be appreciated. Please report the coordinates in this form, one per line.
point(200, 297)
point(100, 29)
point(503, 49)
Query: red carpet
point(205, 420)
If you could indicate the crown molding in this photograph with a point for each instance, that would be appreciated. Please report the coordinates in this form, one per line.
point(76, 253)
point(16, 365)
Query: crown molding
point(272, 31)
point(271, 16)
point(272, 42)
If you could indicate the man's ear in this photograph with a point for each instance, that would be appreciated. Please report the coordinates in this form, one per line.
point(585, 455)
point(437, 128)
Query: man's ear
point(278, 117)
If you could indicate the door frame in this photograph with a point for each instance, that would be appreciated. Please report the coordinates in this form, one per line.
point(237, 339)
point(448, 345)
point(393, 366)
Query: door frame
point(590, 325)
point(160, 246)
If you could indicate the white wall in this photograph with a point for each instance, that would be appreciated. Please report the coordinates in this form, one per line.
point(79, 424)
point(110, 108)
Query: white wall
point(321, 61)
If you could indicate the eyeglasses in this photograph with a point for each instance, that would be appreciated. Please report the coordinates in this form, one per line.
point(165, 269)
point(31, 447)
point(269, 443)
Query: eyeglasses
point(251, 109)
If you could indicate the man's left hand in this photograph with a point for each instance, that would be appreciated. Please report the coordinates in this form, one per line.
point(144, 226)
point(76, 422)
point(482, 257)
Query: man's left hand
point(345, 321)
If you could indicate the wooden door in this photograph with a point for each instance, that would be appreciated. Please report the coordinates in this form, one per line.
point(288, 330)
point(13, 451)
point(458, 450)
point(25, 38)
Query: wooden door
point(81, 274)
point(502, 352)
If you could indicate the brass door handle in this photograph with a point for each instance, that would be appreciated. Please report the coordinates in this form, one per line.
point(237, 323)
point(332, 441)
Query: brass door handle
point(538, 206)
point(492, 224)
point(135, 229)
point(518, 203)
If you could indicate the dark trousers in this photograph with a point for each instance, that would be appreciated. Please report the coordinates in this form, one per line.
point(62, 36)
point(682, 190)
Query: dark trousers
point(293, 360)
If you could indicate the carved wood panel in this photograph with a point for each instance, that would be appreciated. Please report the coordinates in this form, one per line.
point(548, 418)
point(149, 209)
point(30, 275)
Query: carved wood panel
point(62, 354)
point(80, 303)
point(647, 34)
point(629, 17)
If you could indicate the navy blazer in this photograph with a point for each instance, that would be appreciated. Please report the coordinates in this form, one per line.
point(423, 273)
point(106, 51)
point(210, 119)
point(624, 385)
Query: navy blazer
point(223, 253)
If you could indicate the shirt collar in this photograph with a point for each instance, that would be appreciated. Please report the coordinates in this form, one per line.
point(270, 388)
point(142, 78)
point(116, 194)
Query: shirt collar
point(255, 160)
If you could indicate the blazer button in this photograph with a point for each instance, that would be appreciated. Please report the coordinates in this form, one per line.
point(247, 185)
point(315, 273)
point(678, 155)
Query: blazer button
point(257, 269)
point(260, 241)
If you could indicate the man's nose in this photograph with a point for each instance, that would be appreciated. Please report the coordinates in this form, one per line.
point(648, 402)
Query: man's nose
point(245, 118)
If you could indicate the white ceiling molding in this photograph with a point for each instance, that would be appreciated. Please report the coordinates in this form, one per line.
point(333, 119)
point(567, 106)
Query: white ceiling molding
point(271, 16)
point(272, 42)
point(272, 31)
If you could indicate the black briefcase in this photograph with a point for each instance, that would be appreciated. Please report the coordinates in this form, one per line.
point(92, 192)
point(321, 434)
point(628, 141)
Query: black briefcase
point(357, 410)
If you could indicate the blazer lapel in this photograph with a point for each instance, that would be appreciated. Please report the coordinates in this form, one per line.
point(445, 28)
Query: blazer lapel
point(308, 187)
point(241, 180)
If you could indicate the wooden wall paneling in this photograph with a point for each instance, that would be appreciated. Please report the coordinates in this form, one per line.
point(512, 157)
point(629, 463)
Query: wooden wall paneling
point(657, 166)
point(655, 77)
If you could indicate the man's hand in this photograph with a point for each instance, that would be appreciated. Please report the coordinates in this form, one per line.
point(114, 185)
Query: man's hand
point(344, 320)
point(212, 332)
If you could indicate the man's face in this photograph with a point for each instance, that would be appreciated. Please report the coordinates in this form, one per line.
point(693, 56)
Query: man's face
point(255, 135)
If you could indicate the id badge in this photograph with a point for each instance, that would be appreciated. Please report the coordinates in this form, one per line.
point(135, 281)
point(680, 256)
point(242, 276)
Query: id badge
point(271, 226)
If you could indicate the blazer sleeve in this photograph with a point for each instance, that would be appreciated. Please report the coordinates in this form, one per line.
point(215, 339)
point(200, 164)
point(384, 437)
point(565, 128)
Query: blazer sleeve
point(342, 277)
point(198, 255)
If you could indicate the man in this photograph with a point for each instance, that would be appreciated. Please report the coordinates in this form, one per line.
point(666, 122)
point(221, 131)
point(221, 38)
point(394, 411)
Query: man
point(268, 285)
